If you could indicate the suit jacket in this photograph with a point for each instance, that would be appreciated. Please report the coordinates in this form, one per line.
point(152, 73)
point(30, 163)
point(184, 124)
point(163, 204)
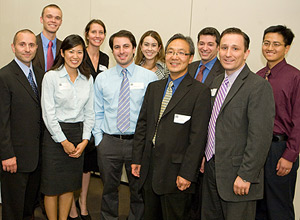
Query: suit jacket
point(179, 146)
point(39, 59)
point(20, 123)
point(216, 70)
point(243, 134)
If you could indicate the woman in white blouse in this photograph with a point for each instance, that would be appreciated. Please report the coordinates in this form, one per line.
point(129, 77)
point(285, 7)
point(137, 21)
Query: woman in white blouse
point(67, 107)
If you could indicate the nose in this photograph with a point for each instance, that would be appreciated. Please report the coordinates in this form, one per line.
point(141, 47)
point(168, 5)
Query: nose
point(27, 48)
point(228, 52)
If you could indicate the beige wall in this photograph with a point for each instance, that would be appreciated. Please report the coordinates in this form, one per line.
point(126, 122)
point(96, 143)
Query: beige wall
point(165, 16)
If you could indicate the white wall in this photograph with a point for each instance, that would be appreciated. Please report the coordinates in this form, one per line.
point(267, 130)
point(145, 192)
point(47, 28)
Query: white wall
point(165, 16)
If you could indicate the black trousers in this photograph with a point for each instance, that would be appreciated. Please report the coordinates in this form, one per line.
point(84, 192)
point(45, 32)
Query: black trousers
point(279, 191)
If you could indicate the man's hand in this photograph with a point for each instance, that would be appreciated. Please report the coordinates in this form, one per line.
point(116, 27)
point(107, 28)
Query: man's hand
point(79, 149)
point(10, 165)
point(69, 148)
point(202, 165)
point(283, 167)
point(135, 169)
point(182, 184)
point(240, 187)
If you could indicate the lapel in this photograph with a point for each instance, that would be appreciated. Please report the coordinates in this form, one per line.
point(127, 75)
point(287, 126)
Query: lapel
point(40, 52)
point(58, 44)
point(20, 76)
point(180, 92)
point(38, 76)
point(193, 68)
point(236, 85)
point(159, 90)
point(215, 71)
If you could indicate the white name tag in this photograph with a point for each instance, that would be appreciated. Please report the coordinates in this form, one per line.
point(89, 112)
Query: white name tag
point(213, 92)
point(102, 68)
point(137, 85)
point(64, 86)
point(181, 119)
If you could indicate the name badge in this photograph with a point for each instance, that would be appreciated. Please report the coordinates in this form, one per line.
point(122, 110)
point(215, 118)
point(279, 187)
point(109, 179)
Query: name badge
point(181, 119)
point(64, 86)
point(102, 68)
point(213, 92)
point(137, 85)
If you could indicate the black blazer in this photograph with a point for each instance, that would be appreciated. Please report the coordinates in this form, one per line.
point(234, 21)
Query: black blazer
point(216, 70)
point(179, 146)
point(21, 121)
point(39, 59)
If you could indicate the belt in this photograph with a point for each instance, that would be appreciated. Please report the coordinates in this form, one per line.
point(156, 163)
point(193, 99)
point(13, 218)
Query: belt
point(279, 137)
point(122, 137)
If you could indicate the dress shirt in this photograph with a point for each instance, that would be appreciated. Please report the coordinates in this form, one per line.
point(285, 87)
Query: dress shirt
point(65, 101)
point(107, 89)
point(207, 69)
point(45, 42)
point(285, 81)
point(26, 69)
point(176, 83)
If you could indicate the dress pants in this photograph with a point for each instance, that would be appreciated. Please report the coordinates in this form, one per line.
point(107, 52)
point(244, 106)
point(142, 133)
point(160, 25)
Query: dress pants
point(279, 191)
point(197, 199)
point(214, 207)
point(112, 154)
point(19, 193)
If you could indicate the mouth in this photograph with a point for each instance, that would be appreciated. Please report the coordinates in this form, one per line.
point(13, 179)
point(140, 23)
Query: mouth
point(75, 62)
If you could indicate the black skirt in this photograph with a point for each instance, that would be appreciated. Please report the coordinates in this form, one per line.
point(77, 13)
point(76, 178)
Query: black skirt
point(61, 173)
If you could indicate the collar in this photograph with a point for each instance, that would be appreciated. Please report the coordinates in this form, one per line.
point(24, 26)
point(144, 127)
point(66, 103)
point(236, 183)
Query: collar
point(276, 69)
point(130, 69)
point(232, 77)
point(63, 72)
point(23, 67)
point(176, 82)
point(210, 64)
point(45, 41)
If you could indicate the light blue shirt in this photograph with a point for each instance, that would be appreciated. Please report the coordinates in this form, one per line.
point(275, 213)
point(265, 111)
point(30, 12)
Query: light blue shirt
point(208, 68)
point(45, 42)
point(107, 89)
point(26, 69)
point(65, 101)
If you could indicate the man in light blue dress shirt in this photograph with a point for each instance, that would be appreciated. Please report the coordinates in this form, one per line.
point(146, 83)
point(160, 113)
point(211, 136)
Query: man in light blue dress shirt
point(114, 146)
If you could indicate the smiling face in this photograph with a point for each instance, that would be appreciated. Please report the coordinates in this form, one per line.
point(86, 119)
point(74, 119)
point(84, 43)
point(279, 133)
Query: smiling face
point(207, 48)
point(73, 57)
point(51, 19)
point(123, 51)
point(95, 35)
point(150, 48)
point(232, 52)
point(178, 58)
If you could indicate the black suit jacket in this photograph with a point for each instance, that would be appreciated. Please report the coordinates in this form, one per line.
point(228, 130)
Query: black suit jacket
point(179, 146)
point(20, 112)
point(216, 70)
point(39, 59)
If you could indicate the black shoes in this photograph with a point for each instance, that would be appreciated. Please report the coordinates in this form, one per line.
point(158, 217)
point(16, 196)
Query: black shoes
point(83, 217)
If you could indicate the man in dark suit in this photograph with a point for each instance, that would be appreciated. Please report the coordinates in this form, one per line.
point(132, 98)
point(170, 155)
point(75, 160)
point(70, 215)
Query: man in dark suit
point(170, 136)
point(206, 69)
point(239, 134)
point(21, 129)
point(48, 44)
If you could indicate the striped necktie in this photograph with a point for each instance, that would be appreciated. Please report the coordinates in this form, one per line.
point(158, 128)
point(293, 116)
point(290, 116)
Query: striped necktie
point(32, 83)
point(210, 146)
point(123, 120)
point(163, 106)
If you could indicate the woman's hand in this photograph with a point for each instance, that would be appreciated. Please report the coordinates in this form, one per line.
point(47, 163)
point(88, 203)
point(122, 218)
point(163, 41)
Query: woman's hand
point(79, 149)
point(69, 148)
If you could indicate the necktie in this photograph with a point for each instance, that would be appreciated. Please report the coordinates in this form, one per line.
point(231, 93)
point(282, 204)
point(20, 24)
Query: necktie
point(32, 83)
point(123, 120)
point(163, 106)
point(267, 74)
point(200, 74)
point(49, 56)
point(210, 146)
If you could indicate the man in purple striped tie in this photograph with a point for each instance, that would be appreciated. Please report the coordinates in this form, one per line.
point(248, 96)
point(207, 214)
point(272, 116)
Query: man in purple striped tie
point(239, 134)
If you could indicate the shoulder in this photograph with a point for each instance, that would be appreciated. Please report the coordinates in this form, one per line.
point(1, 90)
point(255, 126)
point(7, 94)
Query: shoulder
point(106, 74)
point(195, 63)
point(7, 69)
point(144, 73)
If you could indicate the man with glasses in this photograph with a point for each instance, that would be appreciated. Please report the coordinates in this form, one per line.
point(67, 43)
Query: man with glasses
point(171, 135)
point(283, 159)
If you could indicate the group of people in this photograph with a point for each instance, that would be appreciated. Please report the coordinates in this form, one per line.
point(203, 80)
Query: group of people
point(207, 140)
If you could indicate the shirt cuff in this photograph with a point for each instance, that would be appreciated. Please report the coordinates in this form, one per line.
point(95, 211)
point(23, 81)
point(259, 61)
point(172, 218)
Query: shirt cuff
point(58, 138)
point(290, 155)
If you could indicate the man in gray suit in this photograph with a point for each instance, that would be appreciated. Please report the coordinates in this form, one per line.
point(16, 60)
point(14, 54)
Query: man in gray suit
point(206, 69)
point(239, 134)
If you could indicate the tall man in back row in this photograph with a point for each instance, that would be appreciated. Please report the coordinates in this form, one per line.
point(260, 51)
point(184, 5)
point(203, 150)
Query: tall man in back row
point(283, 159)
point(239, 134)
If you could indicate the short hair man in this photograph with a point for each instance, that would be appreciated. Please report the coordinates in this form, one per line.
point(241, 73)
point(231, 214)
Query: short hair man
point(20, 128)
point(171, 135)
point(206, 69)
point(48, 44)
point(283, 159)
point(119, 93)
point(239, 134)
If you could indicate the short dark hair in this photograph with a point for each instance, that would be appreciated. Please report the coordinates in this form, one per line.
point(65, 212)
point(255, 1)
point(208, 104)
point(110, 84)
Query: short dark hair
point(22, 31)
point(68, 43)
point(185, 38)
point(210, 31)
point(50, 6)
point(287, 33)
point(234, 30)
point(122, 33)
point(88, 27)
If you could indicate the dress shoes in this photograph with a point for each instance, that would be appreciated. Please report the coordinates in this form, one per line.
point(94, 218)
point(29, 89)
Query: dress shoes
point(76, 218)
point(83, 217)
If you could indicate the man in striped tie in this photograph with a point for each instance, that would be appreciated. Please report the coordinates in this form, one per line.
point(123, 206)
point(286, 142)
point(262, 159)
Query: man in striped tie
point(119, 93)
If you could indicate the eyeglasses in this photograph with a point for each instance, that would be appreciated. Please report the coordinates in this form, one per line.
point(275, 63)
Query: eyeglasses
point(274, 44)
point(180, 54)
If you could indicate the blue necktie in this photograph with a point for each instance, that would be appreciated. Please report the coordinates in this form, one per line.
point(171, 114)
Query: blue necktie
point(123, 120)
point(32, 83)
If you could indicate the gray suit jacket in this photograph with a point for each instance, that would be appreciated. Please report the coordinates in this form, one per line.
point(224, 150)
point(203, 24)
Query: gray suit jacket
point(216, 70)
point(39, 60)
point(243, 134)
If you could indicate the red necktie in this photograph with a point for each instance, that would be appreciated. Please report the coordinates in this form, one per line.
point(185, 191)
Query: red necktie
point(49, 56)
point(200, 74)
